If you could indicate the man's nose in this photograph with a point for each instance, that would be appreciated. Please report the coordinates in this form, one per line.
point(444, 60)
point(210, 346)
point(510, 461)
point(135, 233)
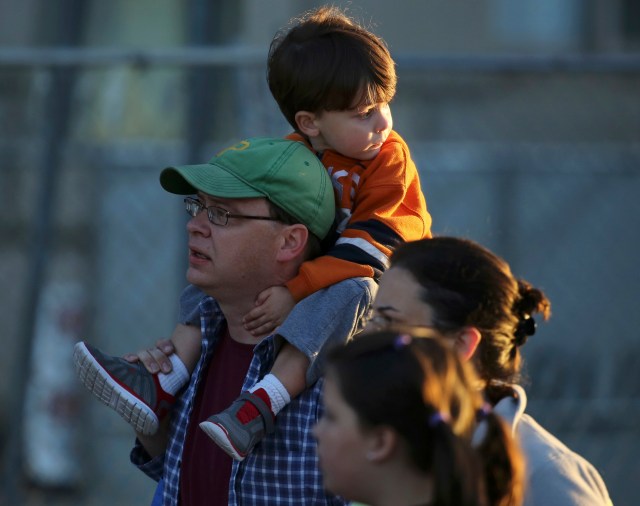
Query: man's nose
point(199, 224)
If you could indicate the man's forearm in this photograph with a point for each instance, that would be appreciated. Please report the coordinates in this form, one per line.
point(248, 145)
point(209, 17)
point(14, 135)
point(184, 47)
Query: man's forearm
point(156, 444)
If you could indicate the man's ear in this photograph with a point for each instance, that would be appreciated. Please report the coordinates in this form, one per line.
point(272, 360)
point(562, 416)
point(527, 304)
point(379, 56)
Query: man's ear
point(306, 122)
point(467, 342)
point(293, 242)
point(383, 442)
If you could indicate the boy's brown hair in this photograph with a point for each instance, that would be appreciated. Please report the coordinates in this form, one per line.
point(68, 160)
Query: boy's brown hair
point(328, 62)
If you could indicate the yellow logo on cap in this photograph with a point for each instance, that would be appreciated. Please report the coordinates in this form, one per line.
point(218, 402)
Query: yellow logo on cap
point(241, 146)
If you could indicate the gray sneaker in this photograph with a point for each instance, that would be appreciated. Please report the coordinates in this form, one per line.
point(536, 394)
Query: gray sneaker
point(128, 388)
point(234, 437)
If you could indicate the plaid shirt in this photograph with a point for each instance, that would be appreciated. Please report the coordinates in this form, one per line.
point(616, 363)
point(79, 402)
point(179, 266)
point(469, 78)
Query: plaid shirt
point(283, 468)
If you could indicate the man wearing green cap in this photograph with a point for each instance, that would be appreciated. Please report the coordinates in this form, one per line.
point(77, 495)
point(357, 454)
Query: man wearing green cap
point(258, 210)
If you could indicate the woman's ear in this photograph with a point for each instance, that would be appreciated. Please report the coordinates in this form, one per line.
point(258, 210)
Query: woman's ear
point(383, 442)
point(293, 242)
point(467, 342)
point(306, 122)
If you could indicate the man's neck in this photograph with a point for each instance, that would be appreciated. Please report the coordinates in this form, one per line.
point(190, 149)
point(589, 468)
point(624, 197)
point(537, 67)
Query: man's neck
point(234, 314)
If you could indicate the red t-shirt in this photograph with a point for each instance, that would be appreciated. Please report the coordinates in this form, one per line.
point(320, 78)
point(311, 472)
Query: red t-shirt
point(206, 469)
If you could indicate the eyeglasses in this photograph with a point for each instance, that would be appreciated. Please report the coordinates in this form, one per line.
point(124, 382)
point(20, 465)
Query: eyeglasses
point(217, 215)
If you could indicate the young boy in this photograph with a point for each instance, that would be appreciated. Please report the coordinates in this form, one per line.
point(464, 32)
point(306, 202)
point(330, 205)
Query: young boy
point(333, 80)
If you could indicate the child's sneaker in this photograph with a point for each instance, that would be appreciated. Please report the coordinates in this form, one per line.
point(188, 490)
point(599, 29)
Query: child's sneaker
point(128, 388)
point(234, 437)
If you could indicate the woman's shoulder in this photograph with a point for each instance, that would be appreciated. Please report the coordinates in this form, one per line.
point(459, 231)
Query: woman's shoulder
point(557, 474)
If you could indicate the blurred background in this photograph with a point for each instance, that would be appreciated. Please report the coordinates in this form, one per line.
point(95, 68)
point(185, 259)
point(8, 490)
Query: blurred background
point(523, 118)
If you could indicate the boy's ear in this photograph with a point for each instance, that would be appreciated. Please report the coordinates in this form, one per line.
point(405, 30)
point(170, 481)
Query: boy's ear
point(293, 242)
point(467, 342)
point(306, 122)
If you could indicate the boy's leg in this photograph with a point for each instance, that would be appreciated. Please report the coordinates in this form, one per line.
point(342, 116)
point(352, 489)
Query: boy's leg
point(186, 340)
point(324, 319)
point(290, 370)
point(140, 397)
point(240, 427)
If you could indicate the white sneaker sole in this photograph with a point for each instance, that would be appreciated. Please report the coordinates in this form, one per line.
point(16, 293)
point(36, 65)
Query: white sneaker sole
point(91, 374)
point(221, 438)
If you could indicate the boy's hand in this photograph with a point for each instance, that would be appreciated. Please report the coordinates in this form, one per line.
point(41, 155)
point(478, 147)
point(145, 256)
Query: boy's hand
point(273, 305)
point(154, 359)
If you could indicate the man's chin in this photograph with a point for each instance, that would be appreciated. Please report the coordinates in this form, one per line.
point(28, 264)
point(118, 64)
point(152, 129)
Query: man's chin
point(196, 278)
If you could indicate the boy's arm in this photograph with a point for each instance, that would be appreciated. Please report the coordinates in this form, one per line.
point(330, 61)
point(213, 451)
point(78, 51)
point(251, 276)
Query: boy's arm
point(388, 208)
point(323, 272)
point(273, 305)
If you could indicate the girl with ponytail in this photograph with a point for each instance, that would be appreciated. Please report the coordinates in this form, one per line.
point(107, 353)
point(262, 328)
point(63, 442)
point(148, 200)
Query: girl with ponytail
point(401, 412)
point(468, 295)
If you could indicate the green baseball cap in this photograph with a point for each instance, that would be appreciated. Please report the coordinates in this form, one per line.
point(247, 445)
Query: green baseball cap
point(284, 171)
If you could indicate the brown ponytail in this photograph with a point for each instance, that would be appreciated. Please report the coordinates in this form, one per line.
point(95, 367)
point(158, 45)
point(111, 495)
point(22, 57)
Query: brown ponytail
point(503, 468)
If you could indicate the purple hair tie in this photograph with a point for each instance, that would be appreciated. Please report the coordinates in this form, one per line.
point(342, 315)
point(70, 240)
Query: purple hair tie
point(436, 419)
point(401, 341)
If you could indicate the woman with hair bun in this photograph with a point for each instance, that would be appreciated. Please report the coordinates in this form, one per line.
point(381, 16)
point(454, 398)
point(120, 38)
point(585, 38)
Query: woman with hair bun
point(401, 409)
point(469, 295)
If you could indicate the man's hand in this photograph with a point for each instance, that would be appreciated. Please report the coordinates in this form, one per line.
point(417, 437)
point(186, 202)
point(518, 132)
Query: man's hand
point(273, 305)
point(154, 359)
point(156, 444)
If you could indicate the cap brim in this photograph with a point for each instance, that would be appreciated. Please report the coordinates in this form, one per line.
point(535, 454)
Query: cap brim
point(208, 178)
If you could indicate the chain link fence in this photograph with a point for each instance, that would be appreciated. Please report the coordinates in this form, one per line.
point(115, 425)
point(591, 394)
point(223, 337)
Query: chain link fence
point(537, 159)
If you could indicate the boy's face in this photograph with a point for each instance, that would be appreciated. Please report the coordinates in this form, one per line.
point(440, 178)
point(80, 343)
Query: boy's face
point(357, 133)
